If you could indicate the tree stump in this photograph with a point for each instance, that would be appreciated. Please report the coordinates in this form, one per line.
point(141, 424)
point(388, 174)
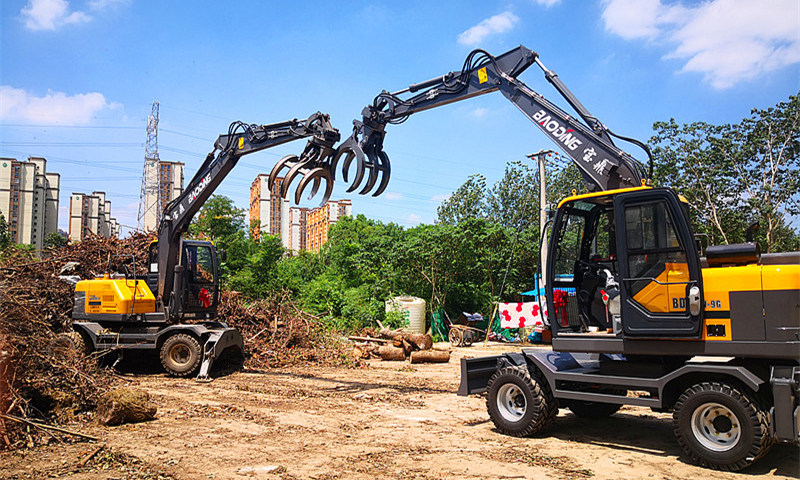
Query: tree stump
point(125, 405)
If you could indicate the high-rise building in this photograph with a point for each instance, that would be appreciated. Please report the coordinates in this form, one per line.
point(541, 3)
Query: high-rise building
point(297, 233)
point(91, 215)
point(319, 220)
point(170, 185)
point(299, 228)
point(29, 199)
point(269, 213)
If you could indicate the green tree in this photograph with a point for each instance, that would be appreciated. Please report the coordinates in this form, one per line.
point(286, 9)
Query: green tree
point(468, 201)
point(514, 200)
point(5, 234)
point(736, 174)
point(218, 219)
point(55, 240)
point(221, 222)
point(358, 250)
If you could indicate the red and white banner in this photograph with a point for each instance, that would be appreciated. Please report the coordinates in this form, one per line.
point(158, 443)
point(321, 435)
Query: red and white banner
point(518, 315)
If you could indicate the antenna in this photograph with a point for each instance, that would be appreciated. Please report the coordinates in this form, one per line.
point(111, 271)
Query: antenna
point(150, 198)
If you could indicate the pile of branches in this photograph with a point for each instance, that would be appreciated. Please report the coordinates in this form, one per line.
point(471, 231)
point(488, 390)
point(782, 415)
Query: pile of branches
point(37, 379)
point(277, 333)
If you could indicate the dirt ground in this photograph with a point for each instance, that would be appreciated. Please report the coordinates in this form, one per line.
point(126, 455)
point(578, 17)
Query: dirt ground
point(385, 420)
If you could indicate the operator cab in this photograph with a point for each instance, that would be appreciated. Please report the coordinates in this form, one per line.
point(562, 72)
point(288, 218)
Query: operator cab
point(624, 264)
point(199, 265)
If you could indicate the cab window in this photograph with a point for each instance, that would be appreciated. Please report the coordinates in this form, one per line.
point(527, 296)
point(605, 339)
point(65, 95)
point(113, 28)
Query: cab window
point(657, 267)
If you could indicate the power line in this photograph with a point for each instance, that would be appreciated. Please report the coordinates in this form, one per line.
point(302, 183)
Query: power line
point(79, 127)
point(72, 144)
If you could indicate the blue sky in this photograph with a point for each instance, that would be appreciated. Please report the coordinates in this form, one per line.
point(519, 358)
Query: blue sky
point(77, 80)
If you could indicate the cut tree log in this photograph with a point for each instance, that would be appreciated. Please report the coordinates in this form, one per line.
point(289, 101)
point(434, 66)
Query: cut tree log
point(421, 340)
point(364, 351)
point(389, 352)
point(430, 356)
point(367, 339)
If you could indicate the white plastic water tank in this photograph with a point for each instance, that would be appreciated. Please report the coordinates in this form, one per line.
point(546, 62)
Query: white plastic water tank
point(413, 310)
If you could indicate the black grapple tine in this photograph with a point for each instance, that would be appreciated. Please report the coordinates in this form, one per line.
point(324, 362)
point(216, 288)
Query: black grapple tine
point(315, 175)
point(315, 185)
point(342, 150)
point(296, 169)
point(360, 167)
point(284, 162)
point(386, 170)
point(372, 165)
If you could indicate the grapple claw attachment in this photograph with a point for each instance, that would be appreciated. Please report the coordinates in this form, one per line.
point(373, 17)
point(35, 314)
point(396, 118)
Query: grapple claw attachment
point(285, 162)
point(386, 168)
point(350, 149)
point(365, 145)
point(316, 176)
point(312, 166)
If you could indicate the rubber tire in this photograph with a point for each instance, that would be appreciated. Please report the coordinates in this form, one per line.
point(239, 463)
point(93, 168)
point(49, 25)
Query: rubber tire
point(468, 336)
point(456, 337)
point(754, 441)
point(172, 365)
point(593, 409)
point(71, 341)
point(541, 408)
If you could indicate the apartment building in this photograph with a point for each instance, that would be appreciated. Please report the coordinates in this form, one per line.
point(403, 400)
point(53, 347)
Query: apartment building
point(29, 199)
point(299, 228)
point(297, 232)
point(268, 211)
point(170, 186)
point(319, 220)
point(91, 215)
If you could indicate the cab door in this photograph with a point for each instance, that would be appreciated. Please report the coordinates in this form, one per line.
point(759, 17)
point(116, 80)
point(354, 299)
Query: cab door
point(661, 288)
point(201, 277)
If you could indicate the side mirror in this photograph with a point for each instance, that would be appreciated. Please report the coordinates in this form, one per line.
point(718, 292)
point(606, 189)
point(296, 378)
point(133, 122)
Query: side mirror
point(750, 233)
point(223, 256)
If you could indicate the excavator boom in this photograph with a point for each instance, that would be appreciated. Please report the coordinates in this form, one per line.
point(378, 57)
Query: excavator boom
point(602, 164)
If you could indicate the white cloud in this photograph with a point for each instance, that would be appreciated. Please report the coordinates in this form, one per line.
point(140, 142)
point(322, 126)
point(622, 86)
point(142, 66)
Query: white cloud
point(54, 14)
point(727, 41)
point(50, 15)
point(393, 196)
point(547, 3)
point(499, 23)
point(440, 198)
point(17, 105)
point(103, 4)
point(479, 112)
point(413, 219)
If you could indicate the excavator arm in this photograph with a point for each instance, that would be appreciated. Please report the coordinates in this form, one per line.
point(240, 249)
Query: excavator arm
point(602, 164)
point(242, 139)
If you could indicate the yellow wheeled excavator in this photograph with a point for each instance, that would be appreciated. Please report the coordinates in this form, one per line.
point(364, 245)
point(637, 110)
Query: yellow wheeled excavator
point(152, 312)
point(713, 338)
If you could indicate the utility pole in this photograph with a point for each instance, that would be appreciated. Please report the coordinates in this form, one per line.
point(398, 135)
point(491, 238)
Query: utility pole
point(540, 157)
point(150, 196)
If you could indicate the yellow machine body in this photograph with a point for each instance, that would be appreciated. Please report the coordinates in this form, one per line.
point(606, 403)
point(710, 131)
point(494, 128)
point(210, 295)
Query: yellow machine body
point(106, 295)
point(753, 284)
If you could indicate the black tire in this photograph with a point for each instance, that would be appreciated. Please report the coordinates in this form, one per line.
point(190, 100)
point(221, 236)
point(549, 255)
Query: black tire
point(721, 426)
point(70, 341)
point(520, 404)
point(180, 355)
point(593, 409)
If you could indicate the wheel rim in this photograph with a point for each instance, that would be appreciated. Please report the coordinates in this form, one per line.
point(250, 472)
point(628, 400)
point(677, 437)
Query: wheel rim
point(511, 402)
point(180, 354)
point(716, 427)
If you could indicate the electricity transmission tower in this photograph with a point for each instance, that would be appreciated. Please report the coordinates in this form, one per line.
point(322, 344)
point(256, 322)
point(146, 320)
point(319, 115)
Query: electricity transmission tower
point(150, 197)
